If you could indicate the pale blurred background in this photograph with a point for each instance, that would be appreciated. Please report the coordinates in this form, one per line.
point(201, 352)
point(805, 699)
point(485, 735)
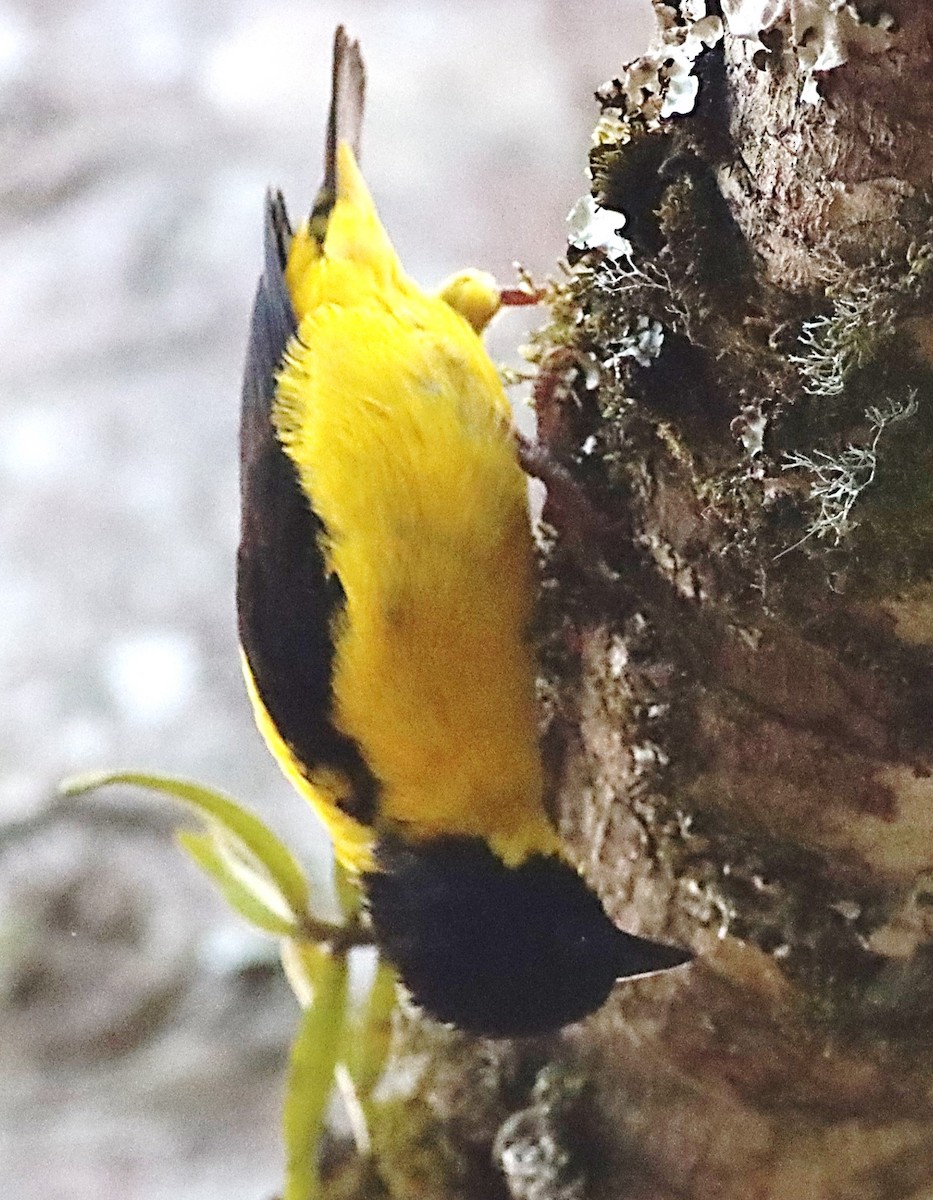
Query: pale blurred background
point(142, 1030)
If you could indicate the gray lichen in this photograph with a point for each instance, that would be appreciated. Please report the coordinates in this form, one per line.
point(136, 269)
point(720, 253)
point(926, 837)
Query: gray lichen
point(838, 480)
point(723, 422)
point(837, 344)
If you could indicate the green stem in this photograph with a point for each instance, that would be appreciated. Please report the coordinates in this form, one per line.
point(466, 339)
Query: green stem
point(338, 938)
point(310, 1079)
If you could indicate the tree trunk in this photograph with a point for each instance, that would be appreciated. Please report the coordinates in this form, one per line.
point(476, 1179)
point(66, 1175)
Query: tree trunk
point(738, 639)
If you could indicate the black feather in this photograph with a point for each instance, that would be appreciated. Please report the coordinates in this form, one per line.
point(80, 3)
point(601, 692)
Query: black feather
point(344, 123)
point(286, 600)
point(502, 951)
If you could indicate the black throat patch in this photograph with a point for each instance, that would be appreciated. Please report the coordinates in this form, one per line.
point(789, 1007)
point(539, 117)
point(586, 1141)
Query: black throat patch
point(500, 951)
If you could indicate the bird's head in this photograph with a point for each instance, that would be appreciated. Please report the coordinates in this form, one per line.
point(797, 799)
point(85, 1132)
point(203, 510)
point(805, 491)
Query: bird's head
point(497, 950)
point(474, 295)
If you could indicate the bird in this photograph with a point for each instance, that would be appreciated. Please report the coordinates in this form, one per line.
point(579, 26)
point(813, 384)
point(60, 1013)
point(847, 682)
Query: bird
point(385, 589)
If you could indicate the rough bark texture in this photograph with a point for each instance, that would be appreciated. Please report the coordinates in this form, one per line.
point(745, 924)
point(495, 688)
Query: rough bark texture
point(738, 644)
point(809, 184)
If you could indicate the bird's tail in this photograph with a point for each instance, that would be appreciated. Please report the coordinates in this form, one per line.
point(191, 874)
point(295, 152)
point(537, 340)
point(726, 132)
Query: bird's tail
point(344, 123)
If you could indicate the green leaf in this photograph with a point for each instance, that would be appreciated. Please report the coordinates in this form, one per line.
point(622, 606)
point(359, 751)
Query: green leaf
point(310, 1080)
point(281, 865)
point(347, 889)
point(303, 962)
point(366, 1048)
point(248, 893)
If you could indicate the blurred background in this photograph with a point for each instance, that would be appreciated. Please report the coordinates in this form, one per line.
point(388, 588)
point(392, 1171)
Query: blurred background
point(142, 1029)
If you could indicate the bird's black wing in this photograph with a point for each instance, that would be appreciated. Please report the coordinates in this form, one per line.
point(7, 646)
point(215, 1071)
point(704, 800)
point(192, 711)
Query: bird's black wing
point(286, 600)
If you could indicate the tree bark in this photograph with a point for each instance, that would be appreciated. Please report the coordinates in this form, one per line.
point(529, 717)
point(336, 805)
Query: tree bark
point(737, 640)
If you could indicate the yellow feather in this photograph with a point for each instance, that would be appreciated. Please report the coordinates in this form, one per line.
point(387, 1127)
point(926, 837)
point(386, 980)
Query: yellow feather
point(385, 584)
point(399, 428)
point(353, 842)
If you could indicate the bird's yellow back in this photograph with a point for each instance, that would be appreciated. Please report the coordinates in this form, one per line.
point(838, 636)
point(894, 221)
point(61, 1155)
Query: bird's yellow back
point(399, 429)
point(384, 592)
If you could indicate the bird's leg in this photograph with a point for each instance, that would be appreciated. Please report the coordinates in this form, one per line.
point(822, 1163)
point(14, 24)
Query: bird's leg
point(581, 526)
point(600, 544)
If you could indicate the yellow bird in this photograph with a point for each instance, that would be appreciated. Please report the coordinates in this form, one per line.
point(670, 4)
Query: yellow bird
point(385, 589)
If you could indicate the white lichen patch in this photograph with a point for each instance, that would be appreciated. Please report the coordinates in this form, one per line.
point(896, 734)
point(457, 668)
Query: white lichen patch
point(662, 83)
point(749, 427)
point(817, 35)
point(592, 227)
point(837, 344)
point(641, 340)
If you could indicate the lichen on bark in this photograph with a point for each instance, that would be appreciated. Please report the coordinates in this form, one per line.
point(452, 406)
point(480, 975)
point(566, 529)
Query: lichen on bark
point(736, 637)
point(740, 680)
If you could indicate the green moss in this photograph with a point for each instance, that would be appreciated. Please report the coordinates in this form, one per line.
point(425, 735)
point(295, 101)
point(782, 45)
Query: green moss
point(627, 178)
point(450, 1096)
point(892, 542)
point(417, 1156)
point(708, 258)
